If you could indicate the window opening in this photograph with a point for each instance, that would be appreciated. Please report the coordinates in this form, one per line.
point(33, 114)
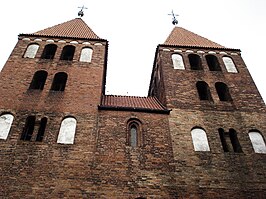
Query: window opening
point(133, 136)
point(178, 61)
point(49, 51)
point(199, 139)
point(6, 121)
point(59, 82)
point(86, 55)
point(28, 129)
point(38, 80)
point(223, 91)
point(195, 62)
point(213, 63)
point(229, 65)
point(31, 51)
point(229, 141)
point(41, 130)
point(68, 53)
point(67, 131)
point(203, 91)
point(257, 141)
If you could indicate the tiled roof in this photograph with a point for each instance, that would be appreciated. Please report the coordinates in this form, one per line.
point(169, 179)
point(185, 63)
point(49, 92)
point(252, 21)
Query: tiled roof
point(75, 28)
point(144, 104)
point(182, 37)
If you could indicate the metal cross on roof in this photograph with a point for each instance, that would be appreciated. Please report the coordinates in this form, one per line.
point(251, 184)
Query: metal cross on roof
point(174, 20)
point(81, 12)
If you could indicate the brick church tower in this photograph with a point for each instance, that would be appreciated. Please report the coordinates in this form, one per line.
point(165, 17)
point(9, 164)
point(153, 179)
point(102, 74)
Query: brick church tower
point(200, 132)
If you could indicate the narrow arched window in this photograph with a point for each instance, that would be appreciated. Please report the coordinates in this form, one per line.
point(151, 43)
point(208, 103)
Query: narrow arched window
point(68, 53)
point(5, 125)
point(178, 61)
point(229, 65)
point(59, 82)
point(86, 55)
point(67, 131)
point(213, 63)
point(223, 91)
point(229, 141)
point(257, 141)
point(134, 133)
point(203, 91)
point(41, 130)
point(31, 51)
point(195, 62)
point(28, 128)
point(38, 80)
point(49, 51)
point(199, 139)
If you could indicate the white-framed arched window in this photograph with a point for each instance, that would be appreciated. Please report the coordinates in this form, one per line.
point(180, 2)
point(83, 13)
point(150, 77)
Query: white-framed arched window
point(31, 51)
point(86, 55)
point(67, 131)
point(5, 125)
point(229, 65)
point(199, 139)
point(178, 62)
point(257, 141)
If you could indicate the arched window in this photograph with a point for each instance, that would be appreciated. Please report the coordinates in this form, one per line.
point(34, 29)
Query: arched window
point(31, 51)
point(223, 91)
point(86, 55)
point(213, 63)
point(134, 133)
point(28, 128)
point(38, 80)
point(257, 141)
point(203, 91)
point(178, 61)
point(229, 65)
point(199, 139)
point(195, 62)
point(59, 82)
point(230, 141)
point(49, 51)
point(41, 130)
point(67, 131)
point(68, 53)
point(5, 125)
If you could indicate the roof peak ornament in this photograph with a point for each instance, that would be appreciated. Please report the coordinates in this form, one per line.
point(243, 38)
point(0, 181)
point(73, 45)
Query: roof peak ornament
point(81, 12)
point(174, 20)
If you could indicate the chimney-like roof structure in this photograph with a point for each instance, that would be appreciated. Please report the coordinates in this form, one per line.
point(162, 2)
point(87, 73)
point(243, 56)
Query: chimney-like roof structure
point(75, 28)
point(185, 38)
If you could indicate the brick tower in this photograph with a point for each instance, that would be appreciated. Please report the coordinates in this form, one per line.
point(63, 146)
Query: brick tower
point(217, 119)
point(198, 134)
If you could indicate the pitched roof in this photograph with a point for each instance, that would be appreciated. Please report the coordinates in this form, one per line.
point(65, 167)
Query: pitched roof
point(75, 28)
point(132, 103)
point(182, 37)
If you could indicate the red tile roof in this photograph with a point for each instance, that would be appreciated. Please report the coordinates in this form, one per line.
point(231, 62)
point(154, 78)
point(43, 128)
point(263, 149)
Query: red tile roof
point(182, 37)
point(145, 104)
point(75, 28)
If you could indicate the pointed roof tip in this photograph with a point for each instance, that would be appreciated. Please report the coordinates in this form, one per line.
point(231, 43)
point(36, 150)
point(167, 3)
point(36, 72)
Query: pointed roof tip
point(182, 37)
point(75, 28)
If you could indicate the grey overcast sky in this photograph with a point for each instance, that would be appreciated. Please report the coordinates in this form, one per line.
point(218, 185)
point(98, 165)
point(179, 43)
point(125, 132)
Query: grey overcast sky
point(135, 27)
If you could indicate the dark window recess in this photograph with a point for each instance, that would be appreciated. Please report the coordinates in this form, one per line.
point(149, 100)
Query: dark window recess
point(230, 141)
point(203, 91)
point(49, 51)
point(59, 82)
point(195, 62)
point(223, 91)
point(38, 80)
point(213, 63)
point(28, 129)
point(68, 53)
point(41, 129)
